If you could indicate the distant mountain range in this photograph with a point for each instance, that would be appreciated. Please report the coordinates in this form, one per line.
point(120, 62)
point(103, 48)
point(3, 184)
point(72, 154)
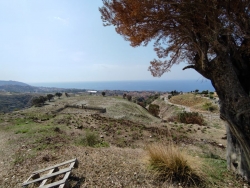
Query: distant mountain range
point(10, 82)
point(18, 95)
point(20, 87)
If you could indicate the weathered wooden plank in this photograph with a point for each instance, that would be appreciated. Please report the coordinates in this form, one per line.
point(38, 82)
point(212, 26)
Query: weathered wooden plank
point(54, 171)
point(50, 172)
point(63, 182)
point(33, 176)
point(48, 176)
point(76, 163)
point(65, 185)
point(62, 186)
point(45, 169)
point(66, 176)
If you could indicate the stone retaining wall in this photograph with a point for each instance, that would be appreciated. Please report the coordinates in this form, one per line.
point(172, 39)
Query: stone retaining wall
point(100, 109)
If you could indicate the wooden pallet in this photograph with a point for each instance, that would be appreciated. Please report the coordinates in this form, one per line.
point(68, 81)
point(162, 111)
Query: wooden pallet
point(53, 171)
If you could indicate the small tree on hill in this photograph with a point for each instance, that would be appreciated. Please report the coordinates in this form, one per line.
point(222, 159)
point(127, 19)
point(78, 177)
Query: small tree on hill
point(103, 93)
point(205, 92)
point(129, 97)
point(43, 99)
point(39, 101)
point(50, 96)
point(66, 94)
point(174, 92)
point(154, 109)
point(35, 101)
point(142, 104)
point(140, 99)
point(58, 94)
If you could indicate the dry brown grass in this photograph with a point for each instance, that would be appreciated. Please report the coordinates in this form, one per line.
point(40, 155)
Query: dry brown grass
point(170, 164)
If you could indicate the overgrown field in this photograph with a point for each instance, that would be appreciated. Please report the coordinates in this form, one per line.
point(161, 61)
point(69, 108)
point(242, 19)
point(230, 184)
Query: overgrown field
point(114, 149)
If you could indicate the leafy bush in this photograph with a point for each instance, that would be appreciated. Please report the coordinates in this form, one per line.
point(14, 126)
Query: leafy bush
point(190, 118)
point(205, 92)
point(140, 99)
point(58, 95)
point(141, 104)
point(170, 164)
point(154, 109)
point(103, 93)
point(91, 139)
point(210, 107)
point(39, 100)
point(174, 93)
point(129, 97)
point(151, 98)
point(66, 94)
point(50, 96)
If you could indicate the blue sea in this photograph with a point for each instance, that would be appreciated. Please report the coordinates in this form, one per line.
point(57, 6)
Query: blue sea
point(160, 85)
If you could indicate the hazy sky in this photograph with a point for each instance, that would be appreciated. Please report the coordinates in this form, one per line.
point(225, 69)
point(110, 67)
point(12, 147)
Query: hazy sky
point(65, 41)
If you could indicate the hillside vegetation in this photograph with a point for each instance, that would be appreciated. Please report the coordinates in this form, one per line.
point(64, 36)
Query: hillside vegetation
point(194, 101)
point(9, 103)
point(112, 147)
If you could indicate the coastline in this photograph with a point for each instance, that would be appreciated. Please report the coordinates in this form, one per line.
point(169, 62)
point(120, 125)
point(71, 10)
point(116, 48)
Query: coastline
point(155, 85)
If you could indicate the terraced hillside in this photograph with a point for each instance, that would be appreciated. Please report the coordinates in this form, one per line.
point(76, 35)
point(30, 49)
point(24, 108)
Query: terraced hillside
point(111, 147)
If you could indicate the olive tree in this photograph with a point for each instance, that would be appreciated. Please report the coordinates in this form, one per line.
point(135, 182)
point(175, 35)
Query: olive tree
point(213, 38)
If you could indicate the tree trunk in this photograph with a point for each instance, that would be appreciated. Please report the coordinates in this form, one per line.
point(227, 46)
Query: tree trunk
point(236, 159)
point(235, 110)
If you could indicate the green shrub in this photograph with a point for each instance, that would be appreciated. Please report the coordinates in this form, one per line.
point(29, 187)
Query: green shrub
point(50, 96)
point(205, 92)
point(102, 144)
point(91, 139)
point(151, 98)
point(210, 107)
point(190, 118)
point(154, 109)
point(129, 97)
point(58, 94)
point(142, 104)
point(39, 100)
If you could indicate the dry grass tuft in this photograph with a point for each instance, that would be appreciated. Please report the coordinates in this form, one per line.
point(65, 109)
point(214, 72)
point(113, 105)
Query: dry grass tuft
point(170, 164)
